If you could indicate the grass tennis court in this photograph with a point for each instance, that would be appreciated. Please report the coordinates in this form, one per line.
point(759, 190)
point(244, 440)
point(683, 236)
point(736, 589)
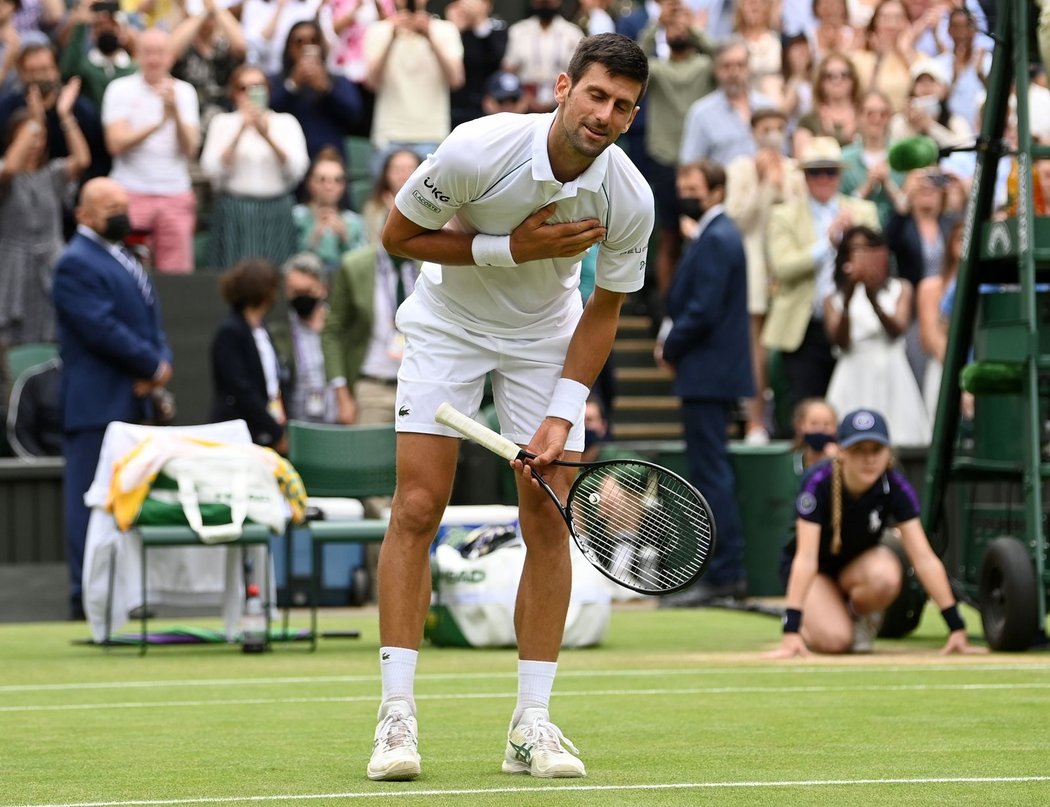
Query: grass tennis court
point(675, 708)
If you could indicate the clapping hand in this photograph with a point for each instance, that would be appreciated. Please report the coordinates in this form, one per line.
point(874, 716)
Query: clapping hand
point(334, 223)
point(255, 118)
point(67, 97)
point(843, 221)
point(880, 172)
point(770, 167)
point(421, 23)
point(35, 104)
point(309, 71)
point(167, 96)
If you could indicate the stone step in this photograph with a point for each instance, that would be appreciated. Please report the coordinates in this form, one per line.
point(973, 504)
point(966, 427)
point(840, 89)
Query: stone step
point(630, 325)
point(646, 409)
point(647, 403)
point(652, 375)
point(648, 431)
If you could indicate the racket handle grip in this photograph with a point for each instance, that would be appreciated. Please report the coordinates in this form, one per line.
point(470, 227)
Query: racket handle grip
point(448, 415)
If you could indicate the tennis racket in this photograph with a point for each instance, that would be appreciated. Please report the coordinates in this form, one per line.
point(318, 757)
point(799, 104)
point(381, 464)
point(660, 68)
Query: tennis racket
point(639, 524)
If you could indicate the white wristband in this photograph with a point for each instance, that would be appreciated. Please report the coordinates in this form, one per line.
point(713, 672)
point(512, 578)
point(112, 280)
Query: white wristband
point(492, 250)
point(568, 400)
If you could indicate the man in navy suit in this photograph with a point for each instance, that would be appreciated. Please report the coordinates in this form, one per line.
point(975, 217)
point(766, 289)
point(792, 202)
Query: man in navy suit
point(114, 352)
point(707, 347)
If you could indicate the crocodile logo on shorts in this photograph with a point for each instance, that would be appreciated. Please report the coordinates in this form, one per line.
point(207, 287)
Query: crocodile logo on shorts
point(404, 412)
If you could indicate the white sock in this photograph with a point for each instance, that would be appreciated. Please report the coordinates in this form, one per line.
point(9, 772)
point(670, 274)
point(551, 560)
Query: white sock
point(535, 681)
point(398, 666)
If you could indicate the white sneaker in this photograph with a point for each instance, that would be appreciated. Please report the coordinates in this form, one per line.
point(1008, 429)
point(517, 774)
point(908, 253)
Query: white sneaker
point(537, 747)
point(865, 629)
point(395, 756)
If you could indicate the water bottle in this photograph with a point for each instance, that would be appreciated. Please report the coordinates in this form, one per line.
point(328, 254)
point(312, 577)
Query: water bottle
point(253, 622)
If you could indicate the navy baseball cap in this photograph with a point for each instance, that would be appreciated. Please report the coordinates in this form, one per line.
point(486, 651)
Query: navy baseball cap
point(863, 424)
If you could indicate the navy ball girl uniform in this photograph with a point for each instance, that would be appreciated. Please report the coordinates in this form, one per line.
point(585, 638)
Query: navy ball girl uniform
point(891, 500)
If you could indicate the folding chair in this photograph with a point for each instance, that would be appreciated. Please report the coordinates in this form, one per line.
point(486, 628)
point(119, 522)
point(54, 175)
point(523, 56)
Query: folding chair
point(345, 461)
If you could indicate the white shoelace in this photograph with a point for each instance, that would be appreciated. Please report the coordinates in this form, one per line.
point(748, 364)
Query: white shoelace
point(544, 734)
point(395, 732)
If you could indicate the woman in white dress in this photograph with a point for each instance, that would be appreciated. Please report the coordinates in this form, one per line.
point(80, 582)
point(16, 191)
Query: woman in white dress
point(866, 317)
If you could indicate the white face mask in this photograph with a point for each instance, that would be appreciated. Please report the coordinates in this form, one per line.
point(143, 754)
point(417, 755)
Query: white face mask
point(772, 140)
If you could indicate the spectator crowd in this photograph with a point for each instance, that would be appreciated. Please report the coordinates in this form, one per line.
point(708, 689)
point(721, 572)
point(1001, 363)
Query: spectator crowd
point(229, 124)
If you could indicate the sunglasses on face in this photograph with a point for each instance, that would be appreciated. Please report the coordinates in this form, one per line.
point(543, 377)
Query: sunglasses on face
point(822, 172)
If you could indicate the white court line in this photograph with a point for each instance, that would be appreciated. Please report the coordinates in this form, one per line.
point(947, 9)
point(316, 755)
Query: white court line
point(376, 794)
point(770, 669)
point(619, 693)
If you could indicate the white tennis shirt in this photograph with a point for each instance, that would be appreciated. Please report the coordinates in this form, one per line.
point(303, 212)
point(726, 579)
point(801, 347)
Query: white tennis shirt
point(491, 174)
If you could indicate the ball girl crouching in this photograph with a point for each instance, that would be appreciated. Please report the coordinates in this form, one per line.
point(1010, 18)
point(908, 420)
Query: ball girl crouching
point(841, 578)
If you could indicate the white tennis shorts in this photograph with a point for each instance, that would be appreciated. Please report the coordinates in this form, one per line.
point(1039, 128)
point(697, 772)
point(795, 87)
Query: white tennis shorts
point(444, 361)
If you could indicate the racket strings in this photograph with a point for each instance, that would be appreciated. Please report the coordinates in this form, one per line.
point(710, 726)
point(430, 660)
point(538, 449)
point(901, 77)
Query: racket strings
point(645, 527)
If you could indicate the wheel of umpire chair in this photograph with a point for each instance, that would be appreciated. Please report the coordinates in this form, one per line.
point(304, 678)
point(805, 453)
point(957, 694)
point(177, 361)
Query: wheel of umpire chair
point(1008, 595)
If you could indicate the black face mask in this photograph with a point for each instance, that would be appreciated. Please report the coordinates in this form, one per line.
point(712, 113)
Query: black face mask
point(678, 45)
point(117, 227)
point(304, 305)
point(590, 438)
point(817, 441)
point(108, 43)
point(45, 86)
point(690, 207)
point(545, 13)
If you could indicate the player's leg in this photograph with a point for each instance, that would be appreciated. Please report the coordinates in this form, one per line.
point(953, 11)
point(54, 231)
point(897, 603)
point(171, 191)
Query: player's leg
point(535, 745)
point(521, 392)
point(441, 363)
point(871, 583)
point(546, 580)
point(426, 465)
point(826, 625)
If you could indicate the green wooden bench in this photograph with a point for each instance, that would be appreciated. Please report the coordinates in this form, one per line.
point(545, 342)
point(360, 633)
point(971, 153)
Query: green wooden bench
point(170, 536)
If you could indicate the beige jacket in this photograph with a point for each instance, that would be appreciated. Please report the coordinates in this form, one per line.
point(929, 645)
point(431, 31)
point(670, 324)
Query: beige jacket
point(790, 240)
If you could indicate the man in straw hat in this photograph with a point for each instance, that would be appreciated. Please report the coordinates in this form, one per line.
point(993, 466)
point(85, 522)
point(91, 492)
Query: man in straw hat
point(802, 239)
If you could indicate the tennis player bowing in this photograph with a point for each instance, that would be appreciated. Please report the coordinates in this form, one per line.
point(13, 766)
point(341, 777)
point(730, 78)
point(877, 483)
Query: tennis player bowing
point(504, 209)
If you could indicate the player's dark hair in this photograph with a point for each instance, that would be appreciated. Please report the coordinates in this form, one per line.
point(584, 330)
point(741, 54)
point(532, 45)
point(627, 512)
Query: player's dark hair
point(618, 54)
point(251, 282)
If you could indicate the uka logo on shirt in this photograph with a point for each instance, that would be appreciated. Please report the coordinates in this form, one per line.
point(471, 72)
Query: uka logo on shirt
point(437, 194)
